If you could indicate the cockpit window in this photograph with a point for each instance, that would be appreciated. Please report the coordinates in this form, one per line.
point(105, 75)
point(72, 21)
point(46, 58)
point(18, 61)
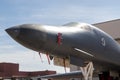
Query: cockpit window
point(86, 27)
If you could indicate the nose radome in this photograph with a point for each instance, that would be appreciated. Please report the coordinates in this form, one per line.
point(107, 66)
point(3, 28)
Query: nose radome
point(13, 31)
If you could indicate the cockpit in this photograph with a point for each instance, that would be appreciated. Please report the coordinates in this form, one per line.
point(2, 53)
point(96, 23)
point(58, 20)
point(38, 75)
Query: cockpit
point(80, 25)
point(86, 27)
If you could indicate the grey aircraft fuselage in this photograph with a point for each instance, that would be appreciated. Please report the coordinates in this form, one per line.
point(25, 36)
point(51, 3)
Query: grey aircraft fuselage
point(79, 40)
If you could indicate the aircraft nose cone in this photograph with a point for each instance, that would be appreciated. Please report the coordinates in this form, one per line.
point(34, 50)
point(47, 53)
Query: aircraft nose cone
point(13, 32)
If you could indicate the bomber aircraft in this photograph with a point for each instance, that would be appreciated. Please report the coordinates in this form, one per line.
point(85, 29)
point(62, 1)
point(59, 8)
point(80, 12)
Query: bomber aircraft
point(81, 44)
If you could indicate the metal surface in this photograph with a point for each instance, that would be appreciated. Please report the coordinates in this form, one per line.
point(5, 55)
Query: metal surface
point(99, 47)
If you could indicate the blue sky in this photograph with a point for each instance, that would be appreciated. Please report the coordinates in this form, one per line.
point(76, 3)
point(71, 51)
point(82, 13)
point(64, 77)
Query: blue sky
point(51, 12)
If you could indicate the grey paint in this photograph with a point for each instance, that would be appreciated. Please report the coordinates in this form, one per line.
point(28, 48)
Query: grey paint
point(105, 50)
